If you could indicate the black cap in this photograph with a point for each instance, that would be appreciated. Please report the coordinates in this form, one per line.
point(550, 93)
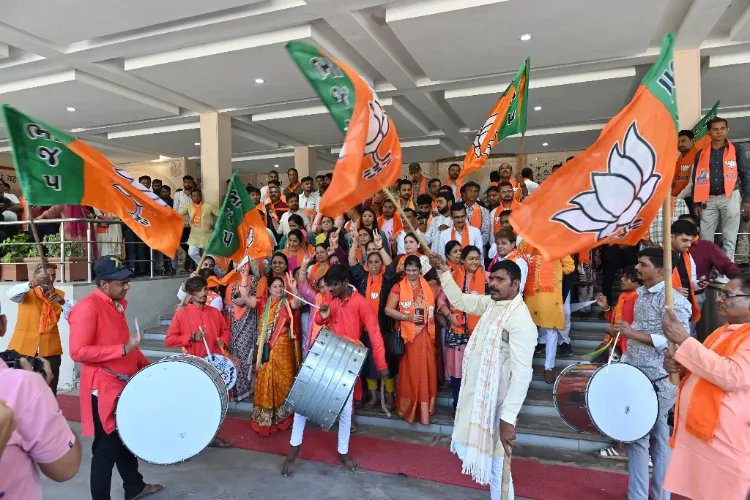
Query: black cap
point(111, 267)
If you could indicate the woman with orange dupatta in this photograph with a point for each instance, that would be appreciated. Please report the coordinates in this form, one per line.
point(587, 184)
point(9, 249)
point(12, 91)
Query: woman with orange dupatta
point(411, 304)
point(711, 440)
point(472, 279)
point(369, 220)
point(278, 354)
point(296, 249)
point(279, 269)
point(243, 323)
point(322, 264)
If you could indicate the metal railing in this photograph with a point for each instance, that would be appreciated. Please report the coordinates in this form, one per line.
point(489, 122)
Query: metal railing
point(155, 257)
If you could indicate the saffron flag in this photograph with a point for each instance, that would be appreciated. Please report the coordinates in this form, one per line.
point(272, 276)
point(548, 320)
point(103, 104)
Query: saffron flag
point(239, 229)
point(508, 117)
point(611, 192)
point(55, 168)
point(370, 159)
point(684, 167)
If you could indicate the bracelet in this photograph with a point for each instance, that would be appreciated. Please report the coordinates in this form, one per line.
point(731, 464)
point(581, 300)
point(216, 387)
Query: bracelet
point(608, 309)
point(244, 286)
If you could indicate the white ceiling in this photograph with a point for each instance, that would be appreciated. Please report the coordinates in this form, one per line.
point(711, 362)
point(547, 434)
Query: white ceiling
point(140, 75)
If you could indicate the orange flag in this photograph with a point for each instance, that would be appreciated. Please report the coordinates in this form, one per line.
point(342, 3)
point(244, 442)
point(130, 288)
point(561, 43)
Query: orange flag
point(370, 159)
point(611, 192)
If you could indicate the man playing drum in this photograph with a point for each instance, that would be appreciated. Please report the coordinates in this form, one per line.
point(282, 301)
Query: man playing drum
point(497, 371)
point(101, 341)
point(346, 313)
point(646, 348)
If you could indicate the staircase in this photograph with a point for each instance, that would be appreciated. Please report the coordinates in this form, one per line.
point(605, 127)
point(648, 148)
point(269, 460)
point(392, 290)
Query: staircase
point(539, 424)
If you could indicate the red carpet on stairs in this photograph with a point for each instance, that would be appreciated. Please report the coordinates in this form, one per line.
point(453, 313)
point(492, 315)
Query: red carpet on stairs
point(531, 479)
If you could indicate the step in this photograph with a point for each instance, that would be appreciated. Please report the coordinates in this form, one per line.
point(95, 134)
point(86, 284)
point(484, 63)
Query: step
point(155, 333)
point(561, 362)
point(154, 349)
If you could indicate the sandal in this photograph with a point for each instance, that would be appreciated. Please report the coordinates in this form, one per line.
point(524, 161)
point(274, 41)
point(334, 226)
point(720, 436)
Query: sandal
point(611, 453)
point(372, 402)
point(220, 443)
point(150, 489)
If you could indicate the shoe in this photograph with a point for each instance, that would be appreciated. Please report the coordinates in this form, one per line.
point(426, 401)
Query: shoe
point(566, 350)
point(540, 348)
point(549, 377)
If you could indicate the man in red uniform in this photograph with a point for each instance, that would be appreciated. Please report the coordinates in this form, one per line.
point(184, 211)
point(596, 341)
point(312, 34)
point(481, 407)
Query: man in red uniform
point(346, 313)
point(108, 352)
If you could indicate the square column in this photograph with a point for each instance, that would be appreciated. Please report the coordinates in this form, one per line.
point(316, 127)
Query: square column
point(216, 156)
point(305, 161)
point(687, 73)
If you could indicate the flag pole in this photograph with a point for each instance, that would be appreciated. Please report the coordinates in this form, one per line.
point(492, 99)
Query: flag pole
point(200, 264)
point(668, 291)
point(407, 222)
point(39, 247)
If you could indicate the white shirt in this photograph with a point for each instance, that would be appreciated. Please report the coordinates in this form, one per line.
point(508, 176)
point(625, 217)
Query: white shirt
point(433, 231)
point(400, 249)
point(475, 238)
point(182, 200)
point(17, 293)
point(309, 202)
point(217, 303)
point(284, 221)
point(530, 185)
point(264, 198)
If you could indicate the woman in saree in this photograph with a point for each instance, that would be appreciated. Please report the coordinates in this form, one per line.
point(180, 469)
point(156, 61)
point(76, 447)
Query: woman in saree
point(75, 231)
point(373, 280)
point(411, 303)
point(277, 354)
point(296, 249)
point(279, 269)
point(243, 323)
point(412, 247)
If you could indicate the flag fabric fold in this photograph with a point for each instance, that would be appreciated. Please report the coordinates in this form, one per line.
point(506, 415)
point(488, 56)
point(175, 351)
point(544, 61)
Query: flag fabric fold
point(239, 230)
point(55, 168)
point(508, 117)
point(370, 159)
point(611, 192)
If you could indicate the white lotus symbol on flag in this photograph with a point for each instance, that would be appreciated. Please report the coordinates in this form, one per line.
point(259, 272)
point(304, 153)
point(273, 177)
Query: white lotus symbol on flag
point(619, 194)
point(481, 135)
point(379, 127)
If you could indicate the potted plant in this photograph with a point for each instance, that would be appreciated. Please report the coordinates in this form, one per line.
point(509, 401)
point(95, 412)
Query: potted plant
point(15, 248)
point(75, 264)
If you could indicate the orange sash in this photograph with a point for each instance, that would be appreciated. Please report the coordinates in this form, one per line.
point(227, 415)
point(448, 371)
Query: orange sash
point(476, 217)
point(406, 299)
point(398, 225)
point(676, 282)
point(496, 221)
point(702, 186)
point(408, 205)
point(541, 277)
point(454, 267)
point(301, 252)
point(422, 188)
point(514, 204)
point(372, 294)
point(682, 171)
point(293, 187)
point(464, 236)
point(316, 272)
point(48, 316)
point(197, 215)
point(477, 286)
point(516, 190)
point(705, 401)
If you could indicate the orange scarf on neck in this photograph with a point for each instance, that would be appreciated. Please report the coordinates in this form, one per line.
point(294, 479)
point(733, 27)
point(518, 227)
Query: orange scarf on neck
point(514, 204)
point(48, 316)
point(464, 236)
point(293, 187)
point(454, 267)
point(374, 286)
point(705, 401)
point(422, 187)
point(476, 217)
point(617, 312)
point(301, 252)
point(197, 215)
point(407, 298)
point(316, 272)
point(541, 277)
point(477, 286)
point(398, 226)
point(702, 186)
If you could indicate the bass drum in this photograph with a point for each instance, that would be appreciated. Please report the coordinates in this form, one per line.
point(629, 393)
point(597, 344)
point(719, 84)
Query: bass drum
point(326, 379)
point(616, 401)
point(171, 410)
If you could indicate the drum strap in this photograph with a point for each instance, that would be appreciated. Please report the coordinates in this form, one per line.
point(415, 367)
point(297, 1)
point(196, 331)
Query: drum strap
point(120, 376)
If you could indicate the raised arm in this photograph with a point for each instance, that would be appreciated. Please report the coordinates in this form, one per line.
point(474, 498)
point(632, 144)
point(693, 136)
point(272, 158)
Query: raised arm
point(466, 302)
point(245, 298)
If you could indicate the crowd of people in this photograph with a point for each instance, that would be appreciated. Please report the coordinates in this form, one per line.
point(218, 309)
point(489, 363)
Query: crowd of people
point(432, 278)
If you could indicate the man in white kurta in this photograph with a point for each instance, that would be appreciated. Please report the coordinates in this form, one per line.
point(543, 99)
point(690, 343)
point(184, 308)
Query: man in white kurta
point(497, 371)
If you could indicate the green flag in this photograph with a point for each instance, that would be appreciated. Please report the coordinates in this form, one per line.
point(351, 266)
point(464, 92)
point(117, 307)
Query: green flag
point(700, 129)
point(515, 119)
point(239, 229)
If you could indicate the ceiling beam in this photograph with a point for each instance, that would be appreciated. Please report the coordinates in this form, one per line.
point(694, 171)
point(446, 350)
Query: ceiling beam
point(741, 25)
point(699, 22)
point(432, 7)
point(154, 130)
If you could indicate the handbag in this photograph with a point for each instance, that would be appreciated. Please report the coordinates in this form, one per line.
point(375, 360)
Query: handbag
point(394, 343)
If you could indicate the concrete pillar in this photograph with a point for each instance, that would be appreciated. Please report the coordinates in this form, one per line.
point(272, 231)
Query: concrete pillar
point(305, 161)
point(687, 72)
point(216, 156)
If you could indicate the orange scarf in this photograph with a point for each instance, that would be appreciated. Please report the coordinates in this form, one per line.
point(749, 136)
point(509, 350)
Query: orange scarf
point(454, 267)
point(48, 316)
point(398, 225)
point(695, 315)
point(496, 226)
point(705, 401)
point(682, 171)
point(541, 277)
point(514, 204)
point(293, 187)
point(374, 286)
point(301, 252)
point(624, 298)
point(422, 188)
point(464, 236)
point(407, 298)
point(410, 204)
point(315, 326)
point(476, 217)
point(197, 215)
point(477, 286)
point(222, 262)
point(316, 272)
point(702, 185)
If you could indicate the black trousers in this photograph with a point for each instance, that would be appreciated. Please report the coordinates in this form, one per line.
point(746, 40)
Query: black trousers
point(614, 259)
point(189, 264)
point(108, 451)
point(54, 363)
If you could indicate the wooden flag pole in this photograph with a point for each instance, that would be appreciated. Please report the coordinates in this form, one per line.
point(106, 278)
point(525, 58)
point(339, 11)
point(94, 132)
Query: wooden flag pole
point(407, 222)
point(505, 484)
point(668, 290)
point(200, 264)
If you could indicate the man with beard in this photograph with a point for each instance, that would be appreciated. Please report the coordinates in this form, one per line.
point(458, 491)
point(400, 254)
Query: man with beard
point(434, 186)
point(183, 199)
point(292, 200)
point(493, 199)
point(156, 185)
point(439, 222)
point(309, 199)
point(272, 176)
point(320, 183)
point(405, 190)
point(497, 361)
point(519, 186)
point(346, 313)
point(682, 186)
point(453, 172)
point(476, 215)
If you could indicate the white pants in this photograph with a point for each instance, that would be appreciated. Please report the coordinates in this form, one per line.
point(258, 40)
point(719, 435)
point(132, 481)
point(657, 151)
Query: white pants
point(345, 428)
point(553, 337)
point(496, 482)
point(726, 209)
point(195, 253)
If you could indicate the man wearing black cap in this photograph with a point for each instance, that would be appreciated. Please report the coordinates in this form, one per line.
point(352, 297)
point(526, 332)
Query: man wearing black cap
point(101, 341)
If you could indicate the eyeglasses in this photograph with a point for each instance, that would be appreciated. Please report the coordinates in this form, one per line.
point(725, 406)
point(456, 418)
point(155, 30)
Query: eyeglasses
point(730, 295)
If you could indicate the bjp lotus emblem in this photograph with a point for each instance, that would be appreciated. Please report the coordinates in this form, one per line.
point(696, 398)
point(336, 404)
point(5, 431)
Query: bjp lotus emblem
point(479, 139)
point(619, 194)
point(378, 129)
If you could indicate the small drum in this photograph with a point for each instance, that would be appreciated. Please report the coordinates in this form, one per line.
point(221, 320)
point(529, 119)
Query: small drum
point(326, 379)
point(225, 367)
point(617, 401)
point(171, 410)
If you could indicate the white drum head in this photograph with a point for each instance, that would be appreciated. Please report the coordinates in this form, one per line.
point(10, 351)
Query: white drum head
point(169, 412)
point(622, 402)
point(225, 367)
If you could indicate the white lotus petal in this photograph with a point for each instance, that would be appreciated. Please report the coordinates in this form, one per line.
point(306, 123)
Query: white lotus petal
point(608, 231)
point(624, 166)
point(615, 193)
point(648, 188)
point(631, 212)
point(590, 205)
point(639, 150)
point(578, 221)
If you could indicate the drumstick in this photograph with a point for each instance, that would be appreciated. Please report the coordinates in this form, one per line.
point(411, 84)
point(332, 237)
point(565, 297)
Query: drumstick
point(382, 399)
point(137, 328)
point(505, 491)
point(302, 300)
point(208, 351)
point(609, 361)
